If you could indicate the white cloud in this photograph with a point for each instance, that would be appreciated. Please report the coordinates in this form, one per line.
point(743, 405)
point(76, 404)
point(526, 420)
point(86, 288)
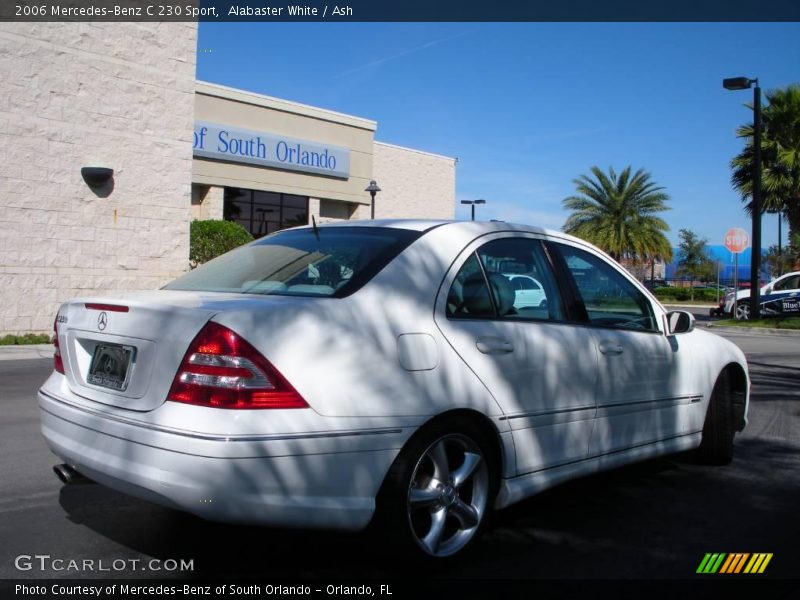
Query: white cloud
point(379, 61)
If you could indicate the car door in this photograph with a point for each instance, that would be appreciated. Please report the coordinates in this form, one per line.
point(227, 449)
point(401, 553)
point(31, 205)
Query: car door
point(539, 368)
point(644, 391)
point(783, 296)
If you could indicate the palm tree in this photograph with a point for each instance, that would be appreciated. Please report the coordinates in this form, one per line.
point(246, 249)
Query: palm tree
point(780, 157)
point(618, 213)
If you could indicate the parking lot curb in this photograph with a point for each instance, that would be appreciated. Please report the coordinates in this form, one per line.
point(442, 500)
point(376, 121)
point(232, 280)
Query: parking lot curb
point(26, 352)
point(756, 330)
point(684, 306)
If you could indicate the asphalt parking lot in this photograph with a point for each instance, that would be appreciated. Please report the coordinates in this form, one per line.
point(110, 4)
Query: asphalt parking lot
point(653, 520)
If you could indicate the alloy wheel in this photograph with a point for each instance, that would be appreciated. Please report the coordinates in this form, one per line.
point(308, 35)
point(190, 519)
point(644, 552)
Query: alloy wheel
point(743, 311)
point(447, 495)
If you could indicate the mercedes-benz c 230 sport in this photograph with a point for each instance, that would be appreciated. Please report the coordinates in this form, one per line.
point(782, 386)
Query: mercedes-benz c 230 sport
point(383, 372)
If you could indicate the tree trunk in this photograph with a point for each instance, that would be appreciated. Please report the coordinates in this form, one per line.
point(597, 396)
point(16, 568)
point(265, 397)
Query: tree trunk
point(793, 219)
point(793, 216)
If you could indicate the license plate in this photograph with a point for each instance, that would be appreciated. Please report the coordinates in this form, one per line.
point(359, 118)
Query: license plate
point(110, 366)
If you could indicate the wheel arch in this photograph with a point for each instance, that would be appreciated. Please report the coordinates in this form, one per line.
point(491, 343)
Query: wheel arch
point(739, 388)
point(498, 453)
point(486, 427)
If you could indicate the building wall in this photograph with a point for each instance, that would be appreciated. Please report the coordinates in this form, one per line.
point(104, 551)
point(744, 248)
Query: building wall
point(117, 95)
point(413, 184)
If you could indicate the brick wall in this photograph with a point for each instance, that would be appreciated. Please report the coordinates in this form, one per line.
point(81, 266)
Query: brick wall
point(413, 184)
point(117, 95)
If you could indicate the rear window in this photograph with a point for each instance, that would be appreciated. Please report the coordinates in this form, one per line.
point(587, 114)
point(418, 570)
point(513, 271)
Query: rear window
point(333, 261)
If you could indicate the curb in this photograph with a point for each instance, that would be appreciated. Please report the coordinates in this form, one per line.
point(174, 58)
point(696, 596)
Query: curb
point(756, 330)
point(680, 306)
point(26, 352)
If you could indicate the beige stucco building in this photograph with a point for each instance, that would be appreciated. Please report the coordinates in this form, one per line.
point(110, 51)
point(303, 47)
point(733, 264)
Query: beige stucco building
point(124, 96)
point(241, 137)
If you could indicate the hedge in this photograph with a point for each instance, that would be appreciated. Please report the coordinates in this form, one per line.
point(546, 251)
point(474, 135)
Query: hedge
point(685, 293)
point(28, 338)
point(209, 239)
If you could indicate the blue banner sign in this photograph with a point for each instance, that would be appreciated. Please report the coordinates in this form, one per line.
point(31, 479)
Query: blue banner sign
point(221, 142)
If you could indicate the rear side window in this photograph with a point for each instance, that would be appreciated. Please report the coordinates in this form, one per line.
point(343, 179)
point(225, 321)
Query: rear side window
point(508, 279)
point(610, 299)
point(331, 261)
point(469, 297)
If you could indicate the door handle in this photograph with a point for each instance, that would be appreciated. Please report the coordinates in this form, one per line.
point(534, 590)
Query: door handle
point(611, 348)
point(489, 345)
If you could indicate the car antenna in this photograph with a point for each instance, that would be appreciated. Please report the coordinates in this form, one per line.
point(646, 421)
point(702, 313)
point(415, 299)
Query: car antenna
point(314, 224)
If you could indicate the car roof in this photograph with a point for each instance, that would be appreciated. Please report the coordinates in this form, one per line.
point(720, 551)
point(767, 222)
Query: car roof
point(427, 224)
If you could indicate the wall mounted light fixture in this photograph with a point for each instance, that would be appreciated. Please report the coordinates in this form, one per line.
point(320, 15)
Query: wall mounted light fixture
point(96, 176)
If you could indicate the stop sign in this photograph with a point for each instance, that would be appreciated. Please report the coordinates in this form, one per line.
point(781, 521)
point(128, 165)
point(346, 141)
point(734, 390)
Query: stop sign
point(736, 240)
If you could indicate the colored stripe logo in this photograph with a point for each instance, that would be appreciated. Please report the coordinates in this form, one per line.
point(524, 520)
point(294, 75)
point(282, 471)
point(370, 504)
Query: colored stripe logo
point(736, 562)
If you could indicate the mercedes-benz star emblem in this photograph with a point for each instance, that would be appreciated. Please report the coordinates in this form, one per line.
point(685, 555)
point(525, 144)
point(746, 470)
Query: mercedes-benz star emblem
point(102, 321)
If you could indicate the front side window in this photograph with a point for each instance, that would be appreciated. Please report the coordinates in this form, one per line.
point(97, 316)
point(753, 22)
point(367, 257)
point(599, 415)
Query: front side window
point(331, 261)
point(610, 299)
point(509, 279)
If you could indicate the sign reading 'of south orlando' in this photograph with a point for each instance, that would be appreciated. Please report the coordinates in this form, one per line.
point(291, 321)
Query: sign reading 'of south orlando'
point(222, 142)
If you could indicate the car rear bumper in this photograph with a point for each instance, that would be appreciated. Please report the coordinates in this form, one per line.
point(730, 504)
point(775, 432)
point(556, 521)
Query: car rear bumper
point(318, 481)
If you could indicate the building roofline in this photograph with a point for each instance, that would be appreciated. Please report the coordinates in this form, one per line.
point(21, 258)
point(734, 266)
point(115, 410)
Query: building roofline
point(395, 146)
point(221, 91)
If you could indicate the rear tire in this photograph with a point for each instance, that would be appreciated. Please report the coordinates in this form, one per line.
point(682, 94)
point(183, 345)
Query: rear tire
point(437, 496)
point(716, 447)
point(743, 310)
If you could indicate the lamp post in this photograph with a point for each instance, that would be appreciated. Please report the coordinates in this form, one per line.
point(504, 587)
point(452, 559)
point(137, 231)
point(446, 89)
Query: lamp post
point(373, 189)
point(744, 83)
point(473, 203)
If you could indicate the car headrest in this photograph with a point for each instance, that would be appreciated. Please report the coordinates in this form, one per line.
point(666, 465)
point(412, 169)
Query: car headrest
point(475, 299)
point(504, 293)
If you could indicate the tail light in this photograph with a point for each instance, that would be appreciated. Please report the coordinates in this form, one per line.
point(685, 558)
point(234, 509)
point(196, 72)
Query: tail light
point(58, 362)
point(222, 370)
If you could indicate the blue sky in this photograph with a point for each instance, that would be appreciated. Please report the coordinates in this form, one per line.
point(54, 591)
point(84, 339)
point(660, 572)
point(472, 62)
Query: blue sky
point(527, 107)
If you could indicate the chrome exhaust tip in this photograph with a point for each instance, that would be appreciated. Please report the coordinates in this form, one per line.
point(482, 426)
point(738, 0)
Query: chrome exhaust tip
point(68, 475)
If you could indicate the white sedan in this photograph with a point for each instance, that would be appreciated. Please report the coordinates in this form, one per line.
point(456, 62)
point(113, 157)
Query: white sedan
point(380, 372)
point(786, 286)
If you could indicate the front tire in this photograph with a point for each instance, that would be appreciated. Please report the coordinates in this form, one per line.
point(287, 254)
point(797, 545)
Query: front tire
point(438, 494)
point(716, 447)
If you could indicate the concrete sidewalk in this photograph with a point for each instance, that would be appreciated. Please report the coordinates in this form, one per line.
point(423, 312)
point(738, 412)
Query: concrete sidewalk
point(26, 352)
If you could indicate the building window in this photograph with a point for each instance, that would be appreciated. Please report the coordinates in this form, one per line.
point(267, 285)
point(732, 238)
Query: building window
point(262, 213)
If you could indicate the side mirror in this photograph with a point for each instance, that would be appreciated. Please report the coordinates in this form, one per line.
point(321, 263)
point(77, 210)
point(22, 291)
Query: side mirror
point(679, 321)
point(768, 289)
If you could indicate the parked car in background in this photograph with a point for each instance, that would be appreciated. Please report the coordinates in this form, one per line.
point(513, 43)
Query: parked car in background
point(776, 298)
point(408, 385)
point(652, 284)
point(527, 291)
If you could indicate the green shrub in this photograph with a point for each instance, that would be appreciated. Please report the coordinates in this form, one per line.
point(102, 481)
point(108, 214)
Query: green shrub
point(671, 293)
point(209, 239)
point(683, 294)
point(34, 338)
point(28, 338)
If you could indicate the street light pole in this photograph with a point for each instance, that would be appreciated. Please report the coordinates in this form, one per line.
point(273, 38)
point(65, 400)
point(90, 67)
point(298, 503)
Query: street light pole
point(472, 203)
point(755, 283)
point(743, 83)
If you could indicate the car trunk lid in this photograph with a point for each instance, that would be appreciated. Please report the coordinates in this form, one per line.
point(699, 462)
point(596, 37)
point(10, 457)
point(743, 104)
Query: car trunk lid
point(125, 351)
